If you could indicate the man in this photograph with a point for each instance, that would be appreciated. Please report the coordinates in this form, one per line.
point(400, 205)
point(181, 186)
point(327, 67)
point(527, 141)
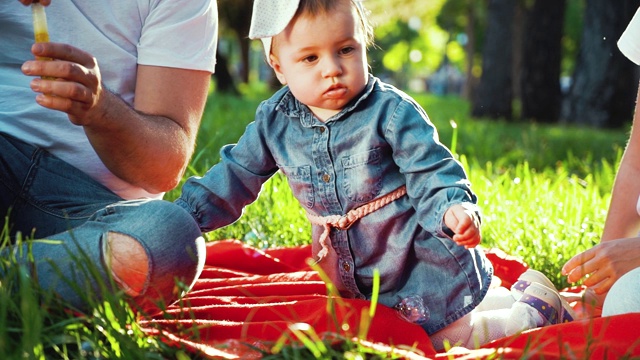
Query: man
point(92, 139)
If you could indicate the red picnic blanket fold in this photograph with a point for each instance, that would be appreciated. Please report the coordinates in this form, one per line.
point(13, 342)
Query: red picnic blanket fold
point(247, 299)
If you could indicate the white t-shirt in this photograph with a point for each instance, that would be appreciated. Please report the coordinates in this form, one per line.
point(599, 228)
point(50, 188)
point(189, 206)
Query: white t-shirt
point(629, 42)
point(120, 34)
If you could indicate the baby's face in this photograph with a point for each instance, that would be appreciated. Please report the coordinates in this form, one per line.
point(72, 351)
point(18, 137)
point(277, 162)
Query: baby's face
point(323, 59)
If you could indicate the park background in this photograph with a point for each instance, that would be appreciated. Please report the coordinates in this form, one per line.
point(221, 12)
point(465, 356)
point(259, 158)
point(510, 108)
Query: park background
point(547, 61)
point(532, 96)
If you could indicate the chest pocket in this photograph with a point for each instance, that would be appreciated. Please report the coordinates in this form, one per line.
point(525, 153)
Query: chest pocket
point(362, 176)
point(299, 178)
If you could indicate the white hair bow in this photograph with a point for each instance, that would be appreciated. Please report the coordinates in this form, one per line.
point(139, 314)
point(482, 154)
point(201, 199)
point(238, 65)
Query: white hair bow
point(270, 18)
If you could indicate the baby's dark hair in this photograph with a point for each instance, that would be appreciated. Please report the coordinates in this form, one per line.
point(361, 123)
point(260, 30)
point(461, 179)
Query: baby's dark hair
point(317, 7)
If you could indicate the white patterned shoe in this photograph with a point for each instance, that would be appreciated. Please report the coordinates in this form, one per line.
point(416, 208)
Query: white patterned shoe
point(539, 306)
point(530, 276)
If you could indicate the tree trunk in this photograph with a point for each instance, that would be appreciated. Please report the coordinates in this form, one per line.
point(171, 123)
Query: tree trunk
point(245, 46)
point(542, 56)
point(224, 80)
point(494, 94)
point(604, 84)
point(519, 16)
point(236, 16)
point(470, 51)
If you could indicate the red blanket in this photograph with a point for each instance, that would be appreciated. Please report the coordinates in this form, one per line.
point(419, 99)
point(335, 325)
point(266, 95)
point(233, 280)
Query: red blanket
point(247, 299)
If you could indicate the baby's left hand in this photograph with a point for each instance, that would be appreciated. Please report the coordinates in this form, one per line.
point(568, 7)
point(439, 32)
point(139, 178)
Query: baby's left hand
point(465, 225)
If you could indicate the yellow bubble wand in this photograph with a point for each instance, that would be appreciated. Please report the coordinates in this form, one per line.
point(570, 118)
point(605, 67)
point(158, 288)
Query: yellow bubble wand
point(40, 28)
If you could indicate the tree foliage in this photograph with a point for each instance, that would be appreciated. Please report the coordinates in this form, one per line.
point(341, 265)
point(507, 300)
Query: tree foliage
point(414, 39)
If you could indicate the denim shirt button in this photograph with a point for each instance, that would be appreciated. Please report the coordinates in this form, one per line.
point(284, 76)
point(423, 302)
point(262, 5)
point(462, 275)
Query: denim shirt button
point(326, 178)
point(322, 130)
point(346, 266)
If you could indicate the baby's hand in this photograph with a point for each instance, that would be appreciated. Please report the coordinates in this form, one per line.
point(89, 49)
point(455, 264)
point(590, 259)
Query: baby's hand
point(465, 225)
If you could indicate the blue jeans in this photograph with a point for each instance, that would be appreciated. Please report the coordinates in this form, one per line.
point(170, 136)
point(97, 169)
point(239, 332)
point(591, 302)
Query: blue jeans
point(46, 198)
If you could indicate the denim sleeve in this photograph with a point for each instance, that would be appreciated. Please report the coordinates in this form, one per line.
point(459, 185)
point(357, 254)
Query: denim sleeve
point(217, 198)
point(435, 180)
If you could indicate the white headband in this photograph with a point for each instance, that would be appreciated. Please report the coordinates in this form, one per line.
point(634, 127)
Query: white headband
point(271, 17)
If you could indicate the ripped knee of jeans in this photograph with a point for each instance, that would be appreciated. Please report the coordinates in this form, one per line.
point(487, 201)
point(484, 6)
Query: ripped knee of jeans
point(128, 262)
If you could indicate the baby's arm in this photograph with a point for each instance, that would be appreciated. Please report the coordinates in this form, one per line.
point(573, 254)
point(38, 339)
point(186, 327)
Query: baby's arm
point(465, 224)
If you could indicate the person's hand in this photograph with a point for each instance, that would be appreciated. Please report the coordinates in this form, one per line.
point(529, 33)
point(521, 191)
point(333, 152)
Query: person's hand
point(29, 2)
point(465, 225)
point(586, 304)
point(603, 264)
point(76, 88)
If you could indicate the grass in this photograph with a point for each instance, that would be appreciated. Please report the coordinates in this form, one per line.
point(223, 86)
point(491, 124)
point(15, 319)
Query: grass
point(544, 191)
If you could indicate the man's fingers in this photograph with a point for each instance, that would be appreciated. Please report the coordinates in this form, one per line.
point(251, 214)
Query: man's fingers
point(75, 109)
point(29, 2)
point(62, 89)
point(65, 52)
point(53, 69)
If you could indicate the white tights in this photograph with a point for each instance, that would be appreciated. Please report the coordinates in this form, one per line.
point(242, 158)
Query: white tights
point(485, 323)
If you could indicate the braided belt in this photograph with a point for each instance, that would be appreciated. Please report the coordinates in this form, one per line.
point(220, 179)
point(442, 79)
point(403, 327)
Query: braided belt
point(343, 222)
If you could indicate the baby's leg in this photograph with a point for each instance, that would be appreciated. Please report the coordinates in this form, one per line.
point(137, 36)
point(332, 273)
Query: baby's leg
point(496, 298)
point(485, 323)
point(532, 302)
point(472, 330)
point(492, 319)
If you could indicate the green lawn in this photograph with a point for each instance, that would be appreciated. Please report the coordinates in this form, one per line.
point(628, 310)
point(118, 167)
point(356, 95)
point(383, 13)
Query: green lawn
point(544, 191)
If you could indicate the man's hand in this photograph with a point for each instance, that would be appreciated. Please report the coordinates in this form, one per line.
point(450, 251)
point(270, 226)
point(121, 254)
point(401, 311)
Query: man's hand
point(29, 2)
point(76, 87)
point(465, 224)
point(158, 131)
point(603, 264)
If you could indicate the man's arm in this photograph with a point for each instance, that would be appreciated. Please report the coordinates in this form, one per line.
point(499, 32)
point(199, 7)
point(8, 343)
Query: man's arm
point(151, 146)
point(148, 145)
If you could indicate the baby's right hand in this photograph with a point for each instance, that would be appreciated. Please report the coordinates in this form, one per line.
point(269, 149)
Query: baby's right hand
point(465, 225)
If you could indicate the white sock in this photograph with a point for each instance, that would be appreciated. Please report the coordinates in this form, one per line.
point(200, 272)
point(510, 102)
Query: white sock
point(523, 317)
point(497, 316)
point(473, 330)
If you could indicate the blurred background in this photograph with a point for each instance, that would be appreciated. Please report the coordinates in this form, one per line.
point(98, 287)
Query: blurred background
point(543, 61)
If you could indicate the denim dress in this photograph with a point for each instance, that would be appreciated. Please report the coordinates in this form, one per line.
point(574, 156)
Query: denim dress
point(379, 142)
